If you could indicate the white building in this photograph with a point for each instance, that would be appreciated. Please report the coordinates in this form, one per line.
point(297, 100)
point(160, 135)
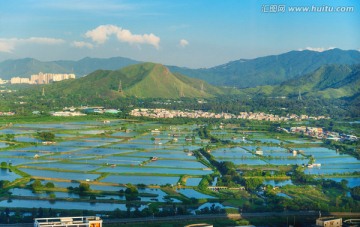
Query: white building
point(19, 80)
point(329, 222)
point(89, 221)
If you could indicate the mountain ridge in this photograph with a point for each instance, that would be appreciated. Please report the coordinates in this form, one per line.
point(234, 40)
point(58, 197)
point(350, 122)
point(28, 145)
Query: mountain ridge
point(328, 81)
point(242, 73)
point(143, 80)
point(272, 69)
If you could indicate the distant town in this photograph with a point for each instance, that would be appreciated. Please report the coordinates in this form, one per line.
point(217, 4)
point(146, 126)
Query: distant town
point(40, 78)
point(163, 113)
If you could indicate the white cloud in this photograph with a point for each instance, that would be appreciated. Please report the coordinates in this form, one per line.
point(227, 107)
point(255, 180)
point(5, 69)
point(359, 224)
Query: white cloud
point(183, 43)
point(81, 44)
point(318, 49)
point(8, 45)
point(102, 33)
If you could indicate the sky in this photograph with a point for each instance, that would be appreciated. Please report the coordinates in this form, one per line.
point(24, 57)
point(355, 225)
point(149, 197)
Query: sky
point(189, 33)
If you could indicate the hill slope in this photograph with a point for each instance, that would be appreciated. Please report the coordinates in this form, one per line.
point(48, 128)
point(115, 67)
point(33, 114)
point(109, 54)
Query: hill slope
point(330, 81)
point(145, 80)
point(270, 70)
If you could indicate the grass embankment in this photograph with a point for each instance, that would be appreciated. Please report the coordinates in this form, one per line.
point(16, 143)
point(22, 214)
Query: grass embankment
point(49, 119)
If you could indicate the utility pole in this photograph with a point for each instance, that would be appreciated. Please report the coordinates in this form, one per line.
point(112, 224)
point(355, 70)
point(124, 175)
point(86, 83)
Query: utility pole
point(299, 97)
point(120, 90)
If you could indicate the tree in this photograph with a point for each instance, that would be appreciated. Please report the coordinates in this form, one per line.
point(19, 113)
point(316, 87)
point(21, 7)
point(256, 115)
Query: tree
point(52, 196)
point(131, 192)
point(10, 137)
point(84, 187)
point(4, 183)
point(36, 185)
point(253, 183)
point(46, 136)
point(355, 192)
point(40, 212)
point(49, 185)
point(3, 165)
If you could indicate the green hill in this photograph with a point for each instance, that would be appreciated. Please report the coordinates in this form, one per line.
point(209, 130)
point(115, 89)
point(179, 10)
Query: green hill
point(330, 81)
point(146, 80)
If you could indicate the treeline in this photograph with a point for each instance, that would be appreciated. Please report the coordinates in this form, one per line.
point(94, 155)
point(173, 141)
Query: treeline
point(26, 100)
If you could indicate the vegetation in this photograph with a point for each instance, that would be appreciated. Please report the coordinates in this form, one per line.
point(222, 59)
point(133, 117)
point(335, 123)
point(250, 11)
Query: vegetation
point(270, 70)
point(46, 136)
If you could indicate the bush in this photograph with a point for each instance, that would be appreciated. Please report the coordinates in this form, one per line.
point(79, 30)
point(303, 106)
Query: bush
point(49, 185)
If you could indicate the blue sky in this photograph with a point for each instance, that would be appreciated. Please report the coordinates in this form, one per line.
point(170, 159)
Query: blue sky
point(191, 33)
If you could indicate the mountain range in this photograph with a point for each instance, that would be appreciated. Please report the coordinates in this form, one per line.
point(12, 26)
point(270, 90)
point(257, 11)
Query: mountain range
point(243, 73)
point(28, 66)
point(270, 70)
point(150, 80)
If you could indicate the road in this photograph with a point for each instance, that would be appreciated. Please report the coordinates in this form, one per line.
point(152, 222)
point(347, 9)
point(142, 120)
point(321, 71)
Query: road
point(209, 216)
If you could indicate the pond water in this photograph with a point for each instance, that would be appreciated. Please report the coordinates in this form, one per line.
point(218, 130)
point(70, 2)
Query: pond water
point(16, 131)
point(5, 174)
point(318, 152)
point(300, 141)
point(108, 188)
point(334, 168)
point(159, 154)
point(83, 143)
point(92, 132)
point(245, 161)
point(65, 205)
point(148, 141)
point(42, 194)
point(147, 180)
point(158, 193)
point(52, 126)
point(65, 166)
point(103, 139)
point(266, 149)
point(101, 151)
point(177, 164)
point(16, 154)
point(125, 134)
point(59, 184)
point(278, 183)
point(118, 160)
point(283, 195)
point(352, 181)
point(234, 152)
point(27, 139)
point(270, 141)
point(18, 160)
point(191, 193)
point(64, 135)
point(288, 161)
point(335, 160)
point(135, 146)
point(215, 205)
point(193, 182)
point(3, 145)
point(240, 140)
point(151, 170)
point(60, 175)
point(49, 148)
